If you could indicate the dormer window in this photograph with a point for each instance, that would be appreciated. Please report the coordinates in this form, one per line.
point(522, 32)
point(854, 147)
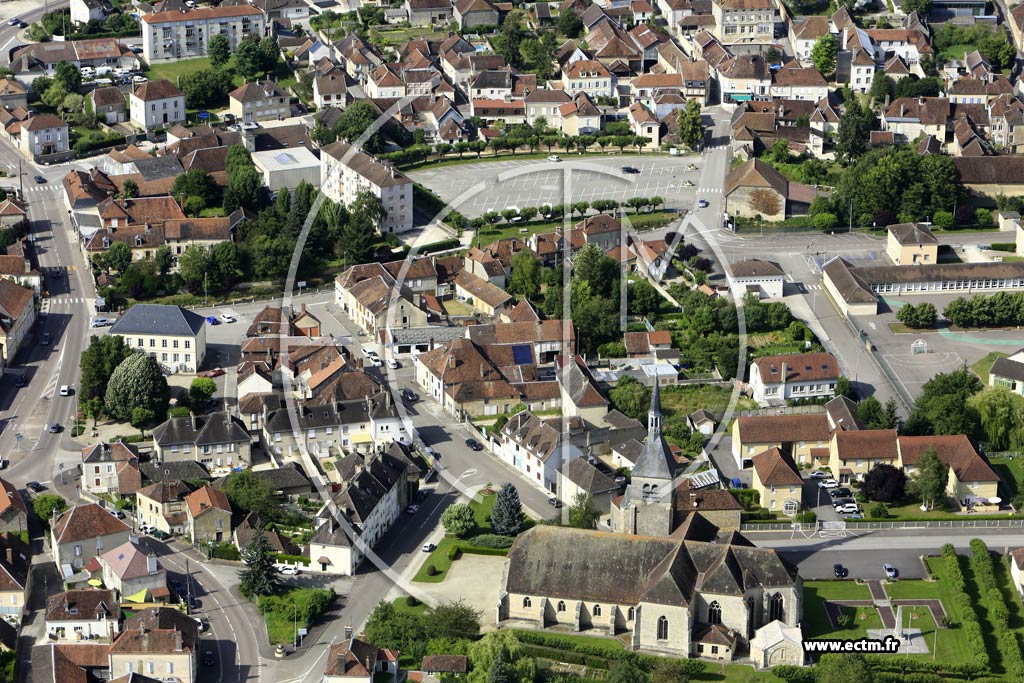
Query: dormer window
point(106, 243)
point(138, 240)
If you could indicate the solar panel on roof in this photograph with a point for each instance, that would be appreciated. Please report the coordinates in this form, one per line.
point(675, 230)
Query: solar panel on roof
point(522, 354)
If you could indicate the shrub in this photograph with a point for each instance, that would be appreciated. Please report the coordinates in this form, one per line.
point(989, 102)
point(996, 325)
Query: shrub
point(793, 674)
point(825, 221)
point(453, 553)
point(878, 511)
point(431, 570)
point(491, 541)
point(806, 517)
point(1003, 246)
point(226, 552)
point(410, 601)
point(749, 498)
point(943, 219)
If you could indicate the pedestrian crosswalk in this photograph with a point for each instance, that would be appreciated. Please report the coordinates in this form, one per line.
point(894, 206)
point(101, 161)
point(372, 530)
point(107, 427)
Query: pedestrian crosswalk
point(67, 300)
point(813, 286)
point(710, 190)
point(35, 189)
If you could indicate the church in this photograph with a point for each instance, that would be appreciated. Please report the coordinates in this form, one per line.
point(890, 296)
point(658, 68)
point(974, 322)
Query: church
point(694, 589)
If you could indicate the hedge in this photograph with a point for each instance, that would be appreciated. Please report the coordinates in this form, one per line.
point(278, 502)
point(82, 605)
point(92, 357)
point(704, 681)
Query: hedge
point(443, 245)
point(292, 559)
point(567, 656)
point(646, 662)
point(1003, 246)
point(226, 552)
point(492, 541)
point(971, 627)
point(904, 663)
point(998, 614)
point(793, 674)
point(477, 550)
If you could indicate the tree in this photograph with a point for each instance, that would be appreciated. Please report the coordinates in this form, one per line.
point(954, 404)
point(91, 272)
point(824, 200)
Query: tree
point(46, 505)
point(194, 265)
point(917, 317)
point(825, 221)
point(507, 515)
point(194, 183)
point(691, 126)
point(643, 298)
point(119, 256)
point(884, 483)
point(630, 397)
point(248, 59)
point(206, 88)
point(67, 75)
point(259, 576)
point(929, 482)
point(942, 406)
point(225, 268)
point(670, 671)
point(582, 513)
point(219, 50)
point(1001, 412)
point(882, 86)
point(458, 520)
point(854, 130)
point(137, 383)
point(526, 275)
point(93, 409)
point(164, 259)
point(54, 95)
point(765, 202)
point(141, 417)
point(97, 362)
point(502, 645)
point(843, 669)
point(130, 189)
point(869, 411)
point(844, 387)
point(398, 630)
point(625, 672)
point(824, 53)
point(922, 7)
point(498, 672)
point(890, 415)
point(454, 620)
point(249, 493)
point(569, 24)
point(73, 102)
point(200, 391)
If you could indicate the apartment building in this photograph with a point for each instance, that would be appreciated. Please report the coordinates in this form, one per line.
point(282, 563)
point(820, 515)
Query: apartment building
point(157, 104)
point(744, 21)
point(777, 379)
point(42, 136)
point(345, 172)
point(259, 101)
point(176, 337)
point(185, 34)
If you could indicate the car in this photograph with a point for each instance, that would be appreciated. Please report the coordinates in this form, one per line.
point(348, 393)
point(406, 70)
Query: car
point(22, 24)
point(393, 364)
point(842, 502)
point(422, 494)
point(375, 361)
point(212, 320)
point(290, 570)
point(101, 322)
point(139, 79)
point(208, 658)
point(137, 50)
point(20, 381)
point(35, 486)
point(45, 340)
point(428, 547)
point(890, 571)
point(13, 21)
point(820, 475)
point(848, 509)
point(702, 204)
point(630, 169)
point(145, 529)
point(367, 352)
point(40, 179)
point(194, 603)
point(202, 624)
point(224, 317)
point(54, 428)
point(554, 157)
point(159, 535)
point(841, 492)
point(410, 395)
point(58, 274)
point(116, 513)
point(828, 484)
point(214, 372)
point(474, 444)
point(554, 502)
point(840, 571)
point(65, 390)
point(412, 509)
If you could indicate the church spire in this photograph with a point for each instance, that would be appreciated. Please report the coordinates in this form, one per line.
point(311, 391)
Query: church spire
point(654, 413)
point(655, 461)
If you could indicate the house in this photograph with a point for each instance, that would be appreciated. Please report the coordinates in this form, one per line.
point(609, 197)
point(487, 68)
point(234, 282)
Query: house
point(345, 172)
point(84, 11)
point(173, 335)
point(185, 33)
point(427, 12)
point(778, 482)
point(286, 168)
point(463, 380)
point(762, 278)
point(755, 188)
point(452, 665)
point(162, 506)
point(157, 104)
point(130, 571)
point(656, 344)
point(743, 21)
point(356, 661)
point(644, 123)
point(14, 215)
point(334, 427)
point(15, 577)
point(702, 422)
point(581, 476)
point(209, 516)
point(252, 525)
point(1008, 373)
point(18, 313)
point(36, 59)
point(84, 532)
point(911, 243)
point(577, 580)
point(111, 468)
point(1017, 569)
point(485, 297)
point(259, 101)
point(804, 437)
point(288, 481)
point(218, 441)
point(795, 83)
point(13, 512)
point(472, 13)
point(777, 379)
point(109, 103)
point(370, 296)
point(83, 614)
point(13, 94)
point(535, 447)
point(588, 76)
point(44, 138)
point(161, 642)
point(804, 32)
point(908, 118)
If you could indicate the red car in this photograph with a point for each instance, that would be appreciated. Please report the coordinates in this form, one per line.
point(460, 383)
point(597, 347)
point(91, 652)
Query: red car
point(216, 372)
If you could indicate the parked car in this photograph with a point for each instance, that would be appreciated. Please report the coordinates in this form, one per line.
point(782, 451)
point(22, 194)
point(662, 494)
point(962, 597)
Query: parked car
point(393, 364)
point(139, 79)
point(841, 492)
point(54, 428)
point(290, 570)
point(848, 509)
point(159, 535)
point(702, 203)
point(375, 361)
point(13, 21)
point(202, 624)
point(45, 341)
point(58, 274)
point(116, 513)
point(145, 529)
point(212, 320)
point(632, 170)
point(412, 509)
point(820, 475)
point(840, 502)
point(35, 486)
point(410, 395)
point(367, 353)
point(227, 318)
point(890, 571)
point(101, 322)
point(840, 571)
point(215, 372)
point(828, 484)
point(428, 547)
point(474, 444)
point(554, 502)
point(554, 157)
point(20, 381)
point(65, 390)
point(208, 658)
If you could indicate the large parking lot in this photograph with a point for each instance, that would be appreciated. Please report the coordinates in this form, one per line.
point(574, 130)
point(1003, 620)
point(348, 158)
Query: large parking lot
point(475, 188)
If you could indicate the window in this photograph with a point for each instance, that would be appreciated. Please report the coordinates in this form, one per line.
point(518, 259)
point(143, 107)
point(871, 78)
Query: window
point(662, 628)
point(561, 605)
point(597, 610)
point(714, 649)
point(526, 601)
point(714, 613)
point(775, 608)
point(163, 343)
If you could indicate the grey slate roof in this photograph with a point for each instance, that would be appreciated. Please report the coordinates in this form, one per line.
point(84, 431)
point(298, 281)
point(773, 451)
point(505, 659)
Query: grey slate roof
point(184, 470)
point(656, 461)
point(1010, 369)
point(290, 476)
point(588, 477)
point(158, 168)
point(215, 428)
point(173, 321)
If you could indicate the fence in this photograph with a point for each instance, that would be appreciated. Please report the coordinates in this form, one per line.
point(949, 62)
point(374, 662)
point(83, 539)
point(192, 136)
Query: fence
point(901, 393)
point(922, 524)
point(814, 409)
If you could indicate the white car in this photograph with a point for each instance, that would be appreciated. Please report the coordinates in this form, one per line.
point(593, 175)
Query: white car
point(828, 484)
point(820, 475)
point(428, 547)
point(392, 363)
point(139, 79)
point(554, 157)
point(65, 390)
point(367, 353)
point(848, 509)
point(203, 625)
point(290, 570)
point(224, 317)
point(375, 361)
point(102, 322)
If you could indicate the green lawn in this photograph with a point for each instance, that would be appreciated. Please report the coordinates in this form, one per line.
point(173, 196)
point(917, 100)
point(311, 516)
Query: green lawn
point(684, 399)
point(172, 70)
point(499, 231)
point(981, 368)
point(401, 606)
point(280, 617)
point(1011, 472)
point(956, 51)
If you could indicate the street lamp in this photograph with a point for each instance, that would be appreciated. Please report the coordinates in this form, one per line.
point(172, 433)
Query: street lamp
point(295, 626)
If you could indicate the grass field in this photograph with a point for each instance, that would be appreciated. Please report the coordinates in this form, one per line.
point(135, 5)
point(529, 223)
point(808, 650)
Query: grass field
point(956, 51)
point(1011, 472)
point(641, 222)
point(401, 606)
point(981, 368)
point(684, 399)
point(482, 507)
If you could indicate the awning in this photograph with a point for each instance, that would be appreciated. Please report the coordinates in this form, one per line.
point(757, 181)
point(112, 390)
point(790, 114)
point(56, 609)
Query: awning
point(137, 597)
point(740, 97)
point(325, 560)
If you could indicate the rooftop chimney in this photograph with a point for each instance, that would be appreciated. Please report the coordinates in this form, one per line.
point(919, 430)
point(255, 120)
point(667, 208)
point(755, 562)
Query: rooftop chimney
point(151, 567)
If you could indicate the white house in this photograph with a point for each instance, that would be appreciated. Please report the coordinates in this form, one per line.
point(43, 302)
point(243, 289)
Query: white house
point(76, 615)
point(345, 172)
point(775, 380)
point(535, 448)
point(185, 34)
point(84, 11)
point(762, 278)
point(175, 336)
point(157, 104)
point(1009, 373)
